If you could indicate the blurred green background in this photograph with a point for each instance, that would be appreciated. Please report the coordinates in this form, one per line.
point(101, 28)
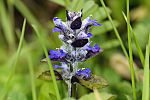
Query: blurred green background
point(18, 78)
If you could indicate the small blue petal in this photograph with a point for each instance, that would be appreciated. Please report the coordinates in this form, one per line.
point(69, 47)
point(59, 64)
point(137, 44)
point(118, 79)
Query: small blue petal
point(55, 18)
point(85, 73)
point(56, 66)
point(56, 30)
point(89, 35)
point(96, 48)
point(95, 23)
point(60, 24)
point(59, 54)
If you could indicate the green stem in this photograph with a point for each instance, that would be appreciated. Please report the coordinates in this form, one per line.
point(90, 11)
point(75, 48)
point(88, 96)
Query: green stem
point(33, 21)
point(115, 29)
point(6, 87)
point(32, 77)
point(130, 53)
point(37, 30)
point(73, 90)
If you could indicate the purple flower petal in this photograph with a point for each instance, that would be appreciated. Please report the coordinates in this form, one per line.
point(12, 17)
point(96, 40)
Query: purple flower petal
point(94, 22)
point(56, 66)
point(82, 35)
point(57, 55)
point(56, 30)
point(92, 51)
point(60, 24)
point(89, 35)
point(84, 73)
point(96, 48)
point(89, 22)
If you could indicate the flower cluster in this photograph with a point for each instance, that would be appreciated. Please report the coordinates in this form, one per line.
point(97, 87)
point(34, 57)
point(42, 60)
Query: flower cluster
point(75, 35)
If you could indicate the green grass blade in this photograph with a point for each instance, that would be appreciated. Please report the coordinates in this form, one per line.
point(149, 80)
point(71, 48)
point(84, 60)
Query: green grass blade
point(15, 62)
point(145, 92)
point(130, 53)
point(49, 62)
point(7, 26)
point(115, 29)
point(30, 65)
point(32, 20)
point(141, 55)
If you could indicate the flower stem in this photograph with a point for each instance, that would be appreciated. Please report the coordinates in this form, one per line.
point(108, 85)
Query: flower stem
point(73, 91)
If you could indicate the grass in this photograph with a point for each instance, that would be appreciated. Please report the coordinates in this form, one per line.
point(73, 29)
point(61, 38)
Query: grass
point(7, 84)
point(115, 29)
point(130, 58)
point(30, 64)
point(49, 63)
point(22, 8)
point(141, 55)
point(145, 92)
point(130, 53)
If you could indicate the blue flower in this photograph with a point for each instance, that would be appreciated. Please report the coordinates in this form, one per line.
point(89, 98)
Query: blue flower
point(60, 24)
point(62, 66)
point(57, 55)
point(84, 73)
point(92, 51)
point(56, 30)
point(88, 22)
point(89, 35)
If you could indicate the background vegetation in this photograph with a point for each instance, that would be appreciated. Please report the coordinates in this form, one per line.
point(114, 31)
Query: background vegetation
point(26, 33)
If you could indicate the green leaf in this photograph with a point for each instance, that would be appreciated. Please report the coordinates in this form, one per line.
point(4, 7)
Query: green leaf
point(103, 96)
point(16, 95)
point(93, 82)
point(59, 2)
point(106, 26)
point(145, 92)
point(47, 76)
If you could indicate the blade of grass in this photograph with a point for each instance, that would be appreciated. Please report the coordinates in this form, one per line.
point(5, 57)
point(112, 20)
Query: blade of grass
point(49, 62)
point(141, 55)
point(145, 92)
point(31, 72)
point(32, 20)
point(6, 87)
point(130, 53)
point(115, 30)
point(7, 26)
point(30, 65)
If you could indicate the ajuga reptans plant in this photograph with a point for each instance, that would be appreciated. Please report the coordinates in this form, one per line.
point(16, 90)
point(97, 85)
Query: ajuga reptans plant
point(76, 48)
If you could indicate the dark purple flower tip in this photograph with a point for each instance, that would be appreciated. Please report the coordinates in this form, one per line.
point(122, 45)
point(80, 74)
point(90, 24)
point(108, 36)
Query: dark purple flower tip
point(56, 30)
point(76, 24)
point(89, 35)
point(80, 43)
point(84, 73)
point(57, 55)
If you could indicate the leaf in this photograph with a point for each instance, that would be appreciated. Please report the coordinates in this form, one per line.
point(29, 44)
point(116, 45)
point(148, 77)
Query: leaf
point(103, 96)
point(47, 76)
point(59, 2)
point(106, 26)
point(93, 82)
point(145, 92)
point(16, 95)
